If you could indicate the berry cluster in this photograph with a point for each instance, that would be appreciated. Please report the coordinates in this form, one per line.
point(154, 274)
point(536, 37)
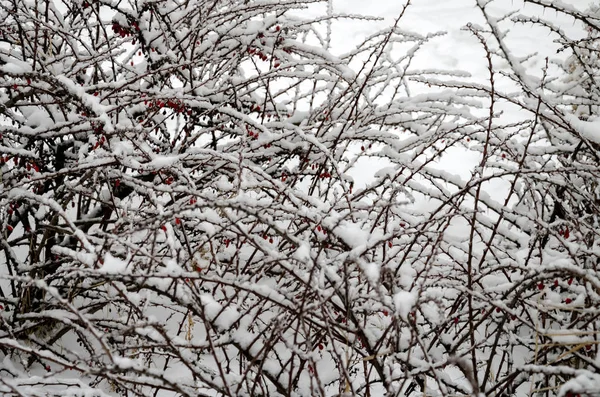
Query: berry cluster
point(252, 134)
point(124, 31)
point(565, 232)
point(99, 142)
point(29, 164)
point(12, 207)
point(177, 105)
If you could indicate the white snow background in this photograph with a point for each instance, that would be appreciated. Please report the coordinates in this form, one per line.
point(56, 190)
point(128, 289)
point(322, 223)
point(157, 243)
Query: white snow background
point(457, 49)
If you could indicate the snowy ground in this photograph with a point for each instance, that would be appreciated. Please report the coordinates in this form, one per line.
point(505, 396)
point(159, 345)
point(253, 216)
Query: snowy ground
point(457, 49)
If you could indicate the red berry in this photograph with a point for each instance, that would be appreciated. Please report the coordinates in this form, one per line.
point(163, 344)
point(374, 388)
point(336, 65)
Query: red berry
point(164, 228)
point(117, 183)
point(570, 281)
point(320, 346)
point(498, 310)
point(390, 244)
point(556, 283)
point(455, 320)
point(10, 228)
point(177, 221)
point(540, 286)
point(568, 300)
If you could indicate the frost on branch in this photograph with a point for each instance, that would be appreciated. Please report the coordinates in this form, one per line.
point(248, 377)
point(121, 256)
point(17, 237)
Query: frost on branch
point(181, 212)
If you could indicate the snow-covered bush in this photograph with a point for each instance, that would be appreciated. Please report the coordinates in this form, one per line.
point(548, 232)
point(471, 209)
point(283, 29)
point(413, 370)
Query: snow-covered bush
point(180, 217)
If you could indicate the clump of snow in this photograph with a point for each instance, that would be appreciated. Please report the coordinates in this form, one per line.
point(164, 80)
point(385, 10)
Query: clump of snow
point(431, 312)
point(352, 234)
point(589, 130)
point(303, 252)
point(372, 271)
point(113, 265)
point(222, 317)
point(125, 363)
point(14, 66)
point(404, 302)
point(407, 275)
point(172, 268)
point(223, 184)
point(159, 162)
point(206, 227)
point(584, 383)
